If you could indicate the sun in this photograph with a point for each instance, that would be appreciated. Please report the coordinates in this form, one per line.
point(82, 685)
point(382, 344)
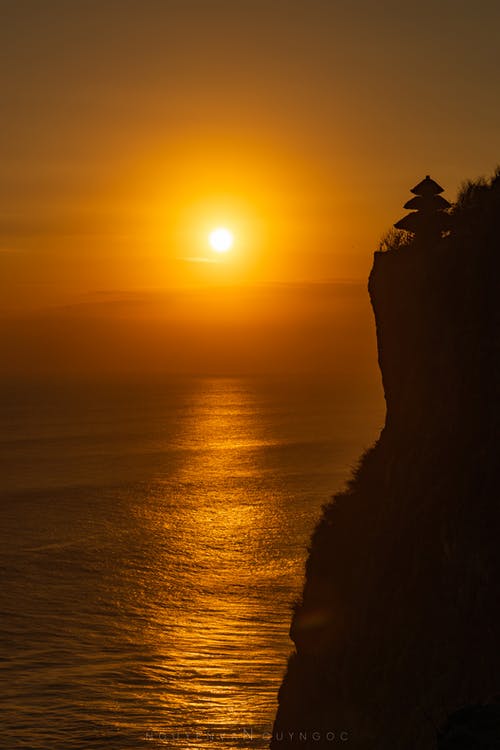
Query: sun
point(221, 239)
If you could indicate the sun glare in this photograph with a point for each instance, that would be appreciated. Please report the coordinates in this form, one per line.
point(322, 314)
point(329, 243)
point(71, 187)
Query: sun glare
point(221, 240)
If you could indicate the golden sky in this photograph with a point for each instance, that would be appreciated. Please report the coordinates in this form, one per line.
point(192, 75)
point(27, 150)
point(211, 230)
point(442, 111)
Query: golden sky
point(131, 128)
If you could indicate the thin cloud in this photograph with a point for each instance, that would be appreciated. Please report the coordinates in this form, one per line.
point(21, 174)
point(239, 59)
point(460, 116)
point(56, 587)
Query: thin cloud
point(201, 260)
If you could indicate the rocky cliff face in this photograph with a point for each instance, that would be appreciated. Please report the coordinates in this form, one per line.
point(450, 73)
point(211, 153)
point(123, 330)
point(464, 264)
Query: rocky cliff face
point(398, 625)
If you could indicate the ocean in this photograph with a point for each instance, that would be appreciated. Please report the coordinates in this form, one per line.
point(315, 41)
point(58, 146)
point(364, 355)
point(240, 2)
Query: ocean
point(153, 541)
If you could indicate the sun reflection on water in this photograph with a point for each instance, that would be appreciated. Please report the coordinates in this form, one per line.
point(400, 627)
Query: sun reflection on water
point(224, 645)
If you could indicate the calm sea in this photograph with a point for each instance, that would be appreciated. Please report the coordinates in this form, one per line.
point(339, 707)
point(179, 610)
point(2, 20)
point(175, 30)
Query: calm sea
point(153, 539)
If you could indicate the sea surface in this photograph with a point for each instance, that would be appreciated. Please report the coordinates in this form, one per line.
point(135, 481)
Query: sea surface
point(153, 540)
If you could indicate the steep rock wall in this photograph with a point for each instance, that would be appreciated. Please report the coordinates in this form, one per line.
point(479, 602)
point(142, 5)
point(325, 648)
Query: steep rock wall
point(399, 621)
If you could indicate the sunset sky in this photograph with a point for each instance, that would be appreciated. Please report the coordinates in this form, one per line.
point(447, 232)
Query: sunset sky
point(131, 128)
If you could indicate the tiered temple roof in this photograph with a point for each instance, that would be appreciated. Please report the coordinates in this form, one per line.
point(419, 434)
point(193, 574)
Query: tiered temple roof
point(428, 209)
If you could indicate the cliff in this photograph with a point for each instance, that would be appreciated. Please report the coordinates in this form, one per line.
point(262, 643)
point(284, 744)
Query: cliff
point(399, 622)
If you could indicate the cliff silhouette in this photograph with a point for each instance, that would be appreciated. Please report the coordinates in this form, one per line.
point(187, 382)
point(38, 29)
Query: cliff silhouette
point(399, 623)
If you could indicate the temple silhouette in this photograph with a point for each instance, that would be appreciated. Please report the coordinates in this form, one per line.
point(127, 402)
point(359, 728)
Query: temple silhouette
point(428, 217)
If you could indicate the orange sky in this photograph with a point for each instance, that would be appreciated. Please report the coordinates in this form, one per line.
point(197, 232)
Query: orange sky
point(298, 329)
point(130, 128)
